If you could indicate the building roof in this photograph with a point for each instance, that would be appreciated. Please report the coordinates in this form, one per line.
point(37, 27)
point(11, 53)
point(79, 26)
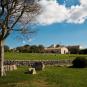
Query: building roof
point(54, 48)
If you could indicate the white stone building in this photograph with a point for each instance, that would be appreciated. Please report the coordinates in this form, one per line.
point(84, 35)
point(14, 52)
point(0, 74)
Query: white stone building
point(59, 50)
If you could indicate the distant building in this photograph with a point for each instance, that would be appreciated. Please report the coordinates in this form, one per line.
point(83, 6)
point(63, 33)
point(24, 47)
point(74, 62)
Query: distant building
point(59, 50)
point(74, 49)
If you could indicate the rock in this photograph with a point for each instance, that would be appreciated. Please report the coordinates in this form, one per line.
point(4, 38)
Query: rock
point(14, 67)
point(10, 67)
point(38, 66)
point(6, 67)
point(32, 71)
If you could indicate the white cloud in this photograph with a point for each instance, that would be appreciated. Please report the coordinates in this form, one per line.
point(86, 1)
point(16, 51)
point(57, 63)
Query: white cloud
point(77, 14)
point(26, 41)
point(56, 13)
point(83, 2)
point(30, 40)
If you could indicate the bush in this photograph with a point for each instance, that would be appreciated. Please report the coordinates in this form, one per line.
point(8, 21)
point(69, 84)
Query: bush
point(79, 62)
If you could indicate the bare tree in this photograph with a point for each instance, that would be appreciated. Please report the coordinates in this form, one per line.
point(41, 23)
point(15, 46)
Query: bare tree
point(13, 13)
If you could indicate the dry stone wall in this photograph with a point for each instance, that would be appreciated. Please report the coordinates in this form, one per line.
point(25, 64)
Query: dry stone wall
point(30, 62)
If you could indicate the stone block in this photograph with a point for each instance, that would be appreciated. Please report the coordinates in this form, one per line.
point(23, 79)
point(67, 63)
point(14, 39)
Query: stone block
point(32, 71)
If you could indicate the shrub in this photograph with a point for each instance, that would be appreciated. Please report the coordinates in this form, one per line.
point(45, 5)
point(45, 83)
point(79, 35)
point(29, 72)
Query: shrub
point(79, 62)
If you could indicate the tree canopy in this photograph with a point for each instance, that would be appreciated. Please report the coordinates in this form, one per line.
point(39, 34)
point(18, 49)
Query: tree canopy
point(17, 12)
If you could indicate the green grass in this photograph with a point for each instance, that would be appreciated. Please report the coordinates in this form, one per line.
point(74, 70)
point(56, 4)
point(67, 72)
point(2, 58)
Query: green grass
point(50, 77)
point(39, 56)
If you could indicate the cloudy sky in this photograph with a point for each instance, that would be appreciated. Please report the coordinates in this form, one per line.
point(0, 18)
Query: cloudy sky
point(61, 22)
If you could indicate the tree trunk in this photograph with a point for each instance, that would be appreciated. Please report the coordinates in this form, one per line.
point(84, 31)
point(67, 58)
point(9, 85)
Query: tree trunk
point(2, 72)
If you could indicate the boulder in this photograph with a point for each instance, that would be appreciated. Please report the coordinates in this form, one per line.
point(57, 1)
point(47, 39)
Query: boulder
point(14, 67)
point(32, 71)
point(10, 67)
point(6, 68)
point(38, 66)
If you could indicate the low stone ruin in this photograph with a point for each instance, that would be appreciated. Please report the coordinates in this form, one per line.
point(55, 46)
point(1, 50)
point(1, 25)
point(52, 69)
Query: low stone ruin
point(10, 67)
point(32, 71)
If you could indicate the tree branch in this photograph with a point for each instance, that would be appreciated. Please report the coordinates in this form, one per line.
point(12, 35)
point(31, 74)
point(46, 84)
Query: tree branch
point(2, 7)
point(18, 17)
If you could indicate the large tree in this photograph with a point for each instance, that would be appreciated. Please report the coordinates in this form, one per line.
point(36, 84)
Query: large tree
point(15, 13)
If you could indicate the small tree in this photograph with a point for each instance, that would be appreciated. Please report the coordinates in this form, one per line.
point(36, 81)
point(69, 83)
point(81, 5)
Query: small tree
point(15, 13)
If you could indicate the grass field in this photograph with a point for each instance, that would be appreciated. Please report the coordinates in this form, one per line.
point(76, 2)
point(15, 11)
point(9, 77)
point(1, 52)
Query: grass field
point(39, 56)
point(50, 77)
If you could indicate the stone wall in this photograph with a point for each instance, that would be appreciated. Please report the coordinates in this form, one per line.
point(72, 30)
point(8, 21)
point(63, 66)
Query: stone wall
point(30, 62)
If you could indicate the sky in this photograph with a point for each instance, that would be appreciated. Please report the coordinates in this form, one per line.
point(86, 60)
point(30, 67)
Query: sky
point(61, 22)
